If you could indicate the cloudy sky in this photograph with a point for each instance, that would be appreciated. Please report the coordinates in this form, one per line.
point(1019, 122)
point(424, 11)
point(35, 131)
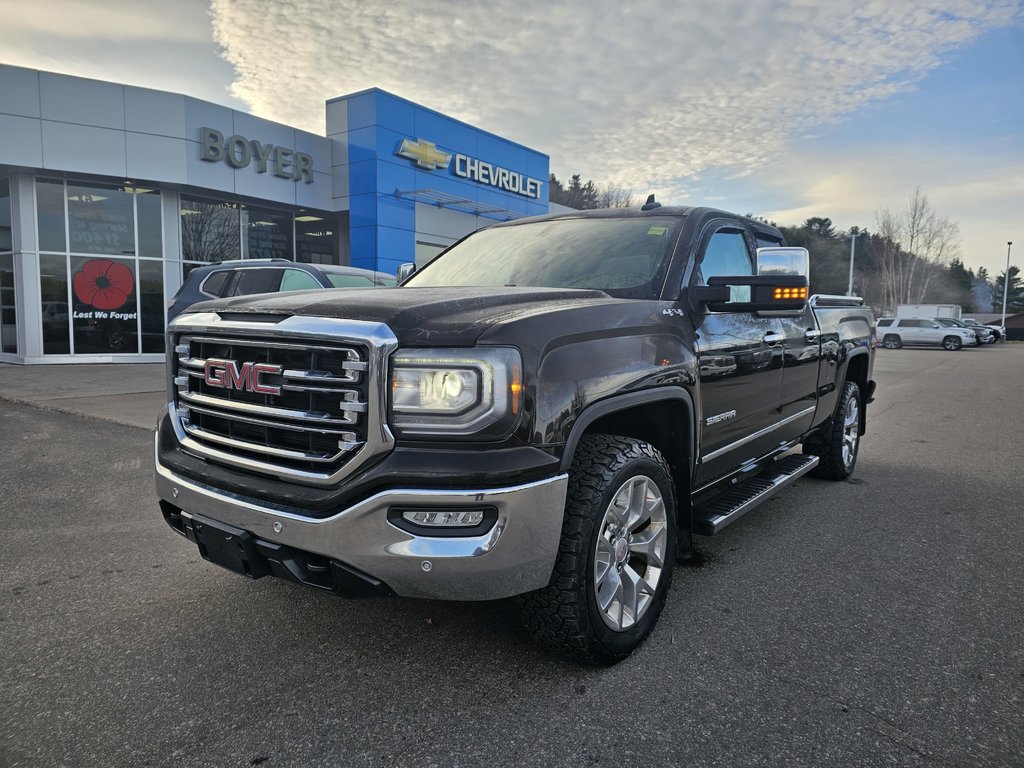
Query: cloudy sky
point(782, 108)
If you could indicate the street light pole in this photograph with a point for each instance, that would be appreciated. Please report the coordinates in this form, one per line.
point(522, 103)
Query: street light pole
point(1006, 282)
point(853, 243)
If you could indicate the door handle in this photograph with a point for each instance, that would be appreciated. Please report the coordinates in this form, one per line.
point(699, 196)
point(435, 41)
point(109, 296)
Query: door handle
point(811, 334)
point(773, 338)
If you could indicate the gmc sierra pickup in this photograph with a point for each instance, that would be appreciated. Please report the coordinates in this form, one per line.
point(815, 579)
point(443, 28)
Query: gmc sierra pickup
point(552, 409)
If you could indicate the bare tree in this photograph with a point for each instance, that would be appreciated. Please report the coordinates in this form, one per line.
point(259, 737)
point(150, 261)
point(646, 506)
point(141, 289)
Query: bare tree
point(916, 245)
point(888, 229)
point(611, 196)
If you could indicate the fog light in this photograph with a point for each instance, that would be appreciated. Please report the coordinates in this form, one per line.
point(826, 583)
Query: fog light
point(447, 518)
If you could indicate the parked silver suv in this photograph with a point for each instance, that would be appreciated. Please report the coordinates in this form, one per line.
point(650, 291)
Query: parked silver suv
point(924, 332)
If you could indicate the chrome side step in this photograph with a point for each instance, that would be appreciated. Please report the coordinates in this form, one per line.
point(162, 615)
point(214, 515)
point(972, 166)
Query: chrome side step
point(712, 517)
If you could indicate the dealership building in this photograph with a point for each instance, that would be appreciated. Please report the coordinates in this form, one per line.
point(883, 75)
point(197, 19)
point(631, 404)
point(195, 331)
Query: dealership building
point(110, 194)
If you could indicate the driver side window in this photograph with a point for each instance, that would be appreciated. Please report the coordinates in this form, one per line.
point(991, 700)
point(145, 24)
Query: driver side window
point(727, 254)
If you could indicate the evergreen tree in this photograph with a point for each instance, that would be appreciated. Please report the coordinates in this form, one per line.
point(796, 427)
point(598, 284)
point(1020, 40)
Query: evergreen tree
point(556, 192)
point(820, 225)
point(1015, 296)
point(960, 276)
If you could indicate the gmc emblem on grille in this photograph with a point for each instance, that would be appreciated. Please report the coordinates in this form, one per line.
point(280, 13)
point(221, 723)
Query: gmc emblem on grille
point(227, 374)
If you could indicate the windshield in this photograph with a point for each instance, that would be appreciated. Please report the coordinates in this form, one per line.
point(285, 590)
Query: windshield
point(950, 322)
point(623, 257)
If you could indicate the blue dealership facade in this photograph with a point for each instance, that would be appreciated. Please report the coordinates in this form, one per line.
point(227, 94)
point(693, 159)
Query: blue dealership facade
point(416, 180)
point(101, 179)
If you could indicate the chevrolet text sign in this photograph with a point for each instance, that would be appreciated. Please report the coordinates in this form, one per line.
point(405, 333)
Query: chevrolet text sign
point(495, 176)
point(426, 155)
point(238, 152)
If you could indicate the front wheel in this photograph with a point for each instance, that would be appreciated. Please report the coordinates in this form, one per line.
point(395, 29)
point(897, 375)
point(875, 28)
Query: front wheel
point(837, 448)
point(892, 341)
point(616, 554)
point(952, 343)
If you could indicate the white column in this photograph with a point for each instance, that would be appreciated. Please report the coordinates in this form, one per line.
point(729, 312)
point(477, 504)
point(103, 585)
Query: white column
point(172, 244)
point(26, 267)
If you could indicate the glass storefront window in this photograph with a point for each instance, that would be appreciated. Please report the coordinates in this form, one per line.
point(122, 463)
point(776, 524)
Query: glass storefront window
point(268, 234)
point(210, 231)
point(150, 221)
point(53, 283)
point(317, 238)
point(50, 212)
point(105, 316)
point(8, 308)
point(101, 219)
point(151, 302)
point(106, 295)
point(6, 231)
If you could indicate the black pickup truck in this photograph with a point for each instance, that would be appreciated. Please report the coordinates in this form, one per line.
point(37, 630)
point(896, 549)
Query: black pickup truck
point(551, 410)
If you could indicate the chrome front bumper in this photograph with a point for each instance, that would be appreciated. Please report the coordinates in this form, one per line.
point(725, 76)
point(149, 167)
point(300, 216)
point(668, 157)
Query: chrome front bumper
point(516, 556)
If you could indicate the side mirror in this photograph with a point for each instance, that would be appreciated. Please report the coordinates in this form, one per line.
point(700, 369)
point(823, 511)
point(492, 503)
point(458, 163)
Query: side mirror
point(405, 271)
point(783, 261)
point(764, 293)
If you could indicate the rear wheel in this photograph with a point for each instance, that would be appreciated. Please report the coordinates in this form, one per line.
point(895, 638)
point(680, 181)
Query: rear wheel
point(952, 343)
point(615, 558)
point(892, 341)
point(837, 448)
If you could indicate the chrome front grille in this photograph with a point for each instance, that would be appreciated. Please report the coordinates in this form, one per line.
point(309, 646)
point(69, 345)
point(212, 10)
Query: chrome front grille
point(311, 414)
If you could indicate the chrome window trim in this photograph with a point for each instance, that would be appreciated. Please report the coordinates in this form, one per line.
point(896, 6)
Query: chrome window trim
point(379, 340)
point(760, 433)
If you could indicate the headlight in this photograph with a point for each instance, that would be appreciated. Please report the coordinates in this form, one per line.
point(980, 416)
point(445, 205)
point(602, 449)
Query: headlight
point(456, 392)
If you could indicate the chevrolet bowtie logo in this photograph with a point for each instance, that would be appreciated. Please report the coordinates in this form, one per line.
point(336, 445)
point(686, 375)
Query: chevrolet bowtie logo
point(424, 153)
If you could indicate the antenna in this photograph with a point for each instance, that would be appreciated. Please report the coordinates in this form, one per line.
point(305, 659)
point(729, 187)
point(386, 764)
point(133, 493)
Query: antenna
point(651, 203)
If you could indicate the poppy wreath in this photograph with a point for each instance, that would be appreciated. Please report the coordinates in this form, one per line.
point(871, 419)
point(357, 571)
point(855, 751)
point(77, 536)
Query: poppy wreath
point(103, 284)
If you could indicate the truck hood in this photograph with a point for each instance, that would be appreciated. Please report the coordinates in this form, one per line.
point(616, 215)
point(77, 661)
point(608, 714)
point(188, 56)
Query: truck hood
point(417, 316)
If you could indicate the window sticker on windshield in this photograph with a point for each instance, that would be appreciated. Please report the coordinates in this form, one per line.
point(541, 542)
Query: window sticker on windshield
point(657, 230)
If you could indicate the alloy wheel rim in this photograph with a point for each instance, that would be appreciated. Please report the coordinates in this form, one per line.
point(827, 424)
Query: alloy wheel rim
point(629, 556)
point(851, 432)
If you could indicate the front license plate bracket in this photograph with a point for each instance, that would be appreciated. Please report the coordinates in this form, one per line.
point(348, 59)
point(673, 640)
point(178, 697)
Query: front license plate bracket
point(227, 546)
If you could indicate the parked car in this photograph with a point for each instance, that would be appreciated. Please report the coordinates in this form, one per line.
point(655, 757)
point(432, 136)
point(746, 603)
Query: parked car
point(244, 277)
point(998, 331)
point(915, 331)
point(983, 333)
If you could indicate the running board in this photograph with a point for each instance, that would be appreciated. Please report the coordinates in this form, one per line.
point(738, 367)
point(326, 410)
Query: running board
point(736, 502)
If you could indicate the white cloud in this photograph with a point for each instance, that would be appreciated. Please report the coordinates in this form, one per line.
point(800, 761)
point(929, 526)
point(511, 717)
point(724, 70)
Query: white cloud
point(642, 94)
point(163, 44)
point(116, 20)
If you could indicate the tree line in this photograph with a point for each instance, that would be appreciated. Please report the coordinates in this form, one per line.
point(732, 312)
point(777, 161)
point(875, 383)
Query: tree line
point(588, 195)
point(911, 257)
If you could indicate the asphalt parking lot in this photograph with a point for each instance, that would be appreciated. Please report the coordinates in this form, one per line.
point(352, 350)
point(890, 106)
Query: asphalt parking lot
point(872, 622)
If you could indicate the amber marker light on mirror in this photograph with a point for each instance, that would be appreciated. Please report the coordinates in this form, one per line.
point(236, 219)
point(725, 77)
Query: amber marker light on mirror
point(789, 293)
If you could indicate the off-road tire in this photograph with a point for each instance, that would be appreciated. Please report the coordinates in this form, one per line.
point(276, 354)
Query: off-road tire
point(833, 464)
point(565, 615)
